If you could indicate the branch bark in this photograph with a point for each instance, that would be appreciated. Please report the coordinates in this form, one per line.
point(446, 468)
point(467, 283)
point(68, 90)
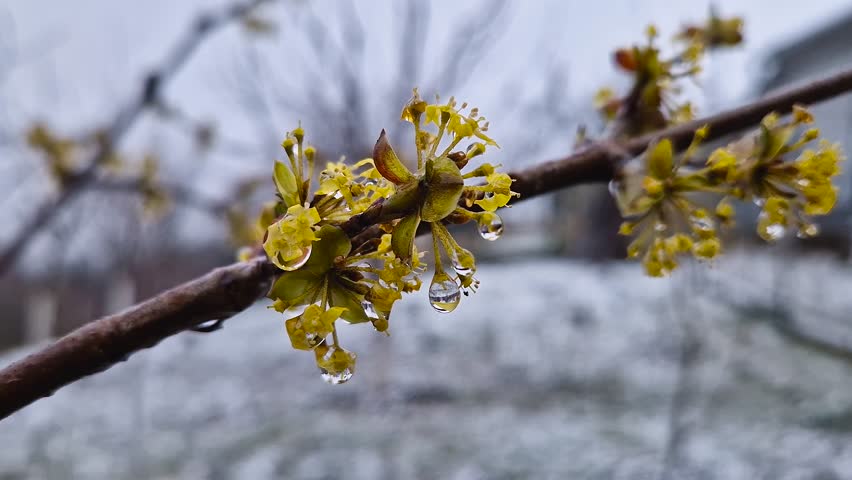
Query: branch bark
point(231, 289)
point(125, 118)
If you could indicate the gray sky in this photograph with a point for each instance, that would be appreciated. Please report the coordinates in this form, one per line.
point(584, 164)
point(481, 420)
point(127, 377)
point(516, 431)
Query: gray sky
point(73, 61)
point(77, 58)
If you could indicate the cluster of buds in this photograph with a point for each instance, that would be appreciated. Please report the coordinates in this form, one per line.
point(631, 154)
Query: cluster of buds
point(332, 271)
point(659, 192)
point(652, 101)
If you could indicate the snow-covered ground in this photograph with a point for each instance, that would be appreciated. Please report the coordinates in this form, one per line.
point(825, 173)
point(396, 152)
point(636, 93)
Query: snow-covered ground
point(554, 370)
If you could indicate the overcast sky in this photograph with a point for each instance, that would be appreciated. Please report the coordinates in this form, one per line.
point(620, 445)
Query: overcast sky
point(76, 59)
point(70, 62)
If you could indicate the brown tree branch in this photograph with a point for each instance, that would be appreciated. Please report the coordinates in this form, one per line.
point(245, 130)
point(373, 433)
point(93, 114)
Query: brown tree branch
point(101, 344)
point(175, 192)
point(123, 121)
point(228, 290)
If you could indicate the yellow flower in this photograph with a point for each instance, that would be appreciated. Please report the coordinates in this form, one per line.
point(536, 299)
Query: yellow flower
point(289, 240)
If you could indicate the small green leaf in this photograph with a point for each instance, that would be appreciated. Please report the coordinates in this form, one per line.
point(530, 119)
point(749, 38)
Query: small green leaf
point(286, 184)
point(338, 296)
point(388, 164)
point(661, 159)
point(292, 287)
point(402, 239)
point(331, 243)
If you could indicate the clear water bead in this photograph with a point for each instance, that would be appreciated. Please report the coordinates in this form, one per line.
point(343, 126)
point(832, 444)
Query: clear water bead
point(776, 231)
point(808, 231)
point(490, 226)
point(444, 295)
point(614, 188)
point(370, 310)
point(461, 269)
point(336, 378)
point(298, 262)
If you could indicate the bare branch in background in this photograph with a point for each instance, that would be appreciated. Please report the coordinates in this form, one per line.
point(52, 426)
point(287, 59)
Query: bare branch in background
point(231, 289)
point(465, 50)
point(324, 82)
point(122, 122)
point(177, 193)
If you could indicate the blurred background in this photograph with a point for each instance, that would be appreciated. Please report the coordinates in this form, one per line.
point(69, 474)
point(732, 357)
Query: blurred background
point(568, 363)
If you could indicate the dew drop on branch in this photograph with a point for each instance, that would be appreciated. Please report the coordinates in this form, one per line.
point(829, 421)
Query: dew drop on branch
point(614, 188)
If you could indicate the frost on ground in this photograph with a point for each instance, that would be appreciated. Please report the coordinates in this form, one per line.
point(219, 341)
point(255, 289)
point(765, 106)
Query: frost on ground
point(553, 370)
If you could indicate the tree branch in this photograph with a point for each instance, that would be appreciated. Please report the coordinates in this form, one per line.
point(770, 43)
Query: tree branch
point(99, 345)
point(175, 192)
point(228, 290)
point(597, 162)
point(123, 121)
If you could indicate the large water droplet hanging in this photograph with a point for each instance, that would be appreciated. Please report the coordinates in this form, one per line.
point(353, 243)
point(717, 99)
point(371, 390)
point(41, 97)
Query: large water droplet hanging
point(370, 310)
point(297, 262)
point(336, 378)
point(490, 226)
point(444, 294)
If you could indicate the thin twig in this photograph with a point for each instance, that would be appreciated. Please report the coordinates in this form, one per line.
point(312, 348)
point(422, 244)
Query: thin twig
point(177, 193)
point(228, 290)
point(123, 121)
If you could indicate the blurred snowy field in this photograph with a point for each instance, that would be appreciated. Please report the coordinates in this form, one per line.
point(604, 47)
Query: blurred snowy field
point(554, 369)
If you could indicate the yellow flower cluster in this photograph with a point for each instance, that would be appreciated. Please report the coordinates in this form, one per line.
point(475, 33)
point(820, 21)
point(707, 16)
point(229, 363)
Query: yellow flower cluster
point(309, 236)
point(59, 152)
point(442, 194)
point(657, 192)
point(663, 216)
point(773, 169)
point(652, 101)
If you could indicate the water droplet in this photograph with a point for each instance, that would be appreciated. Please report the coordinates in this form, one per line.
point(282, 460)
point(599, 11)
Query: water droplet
point(370, 310)
point(444, 294)
point(775, 231)
point(209, 326)
point(808, 231)
point(703, 223)
point(462, 270)
point(759, 201)
point(244, 254)
point(614, 188)
point(490, 226)
point(336, 378)
point(297, 262)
